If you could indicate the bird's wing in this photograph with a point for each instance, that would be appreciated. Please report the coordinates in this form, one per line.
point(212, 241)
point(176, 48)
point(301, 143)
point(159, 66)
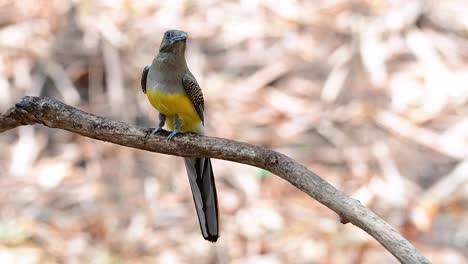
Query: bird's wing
point(194, 91)
point(144, 74)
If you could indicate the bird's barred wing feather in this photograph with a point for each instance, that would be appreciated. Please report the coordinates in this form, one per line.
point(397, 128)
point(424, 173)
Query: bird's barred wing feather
point(194, 91)
point(144, 74)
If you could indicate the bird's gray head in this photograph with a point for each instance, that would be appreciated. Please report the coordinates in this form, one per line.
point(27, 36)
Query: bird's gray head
point(173, 41)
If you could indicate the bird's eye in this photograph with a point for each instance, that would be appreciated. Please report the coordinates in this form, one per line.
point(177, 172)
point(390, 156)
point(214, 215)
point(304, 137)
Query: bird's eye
point(168, 35)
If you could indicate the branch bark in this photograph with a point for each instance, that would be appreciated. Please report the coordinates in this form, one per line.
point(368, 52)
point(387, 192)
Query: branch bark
point(52, 113)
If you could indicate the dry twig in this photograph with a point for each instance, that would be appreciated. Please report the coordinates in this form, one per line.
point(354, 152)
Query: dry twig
point(54, 114)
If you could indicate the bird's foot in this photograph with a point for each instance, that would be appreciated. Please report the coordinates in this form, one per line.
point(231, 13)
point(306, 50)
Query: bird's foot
point(156, 130)
point(173, 134)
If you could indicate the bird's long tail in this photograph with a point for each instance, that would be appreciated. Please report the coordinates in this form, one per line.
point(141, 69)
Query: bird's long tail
point(203, 187)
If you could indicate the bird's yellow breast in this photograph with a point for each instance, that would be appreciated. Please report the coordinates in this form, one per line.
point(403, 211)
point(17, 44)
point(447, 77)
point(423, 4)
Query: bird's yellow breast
point(172, 104)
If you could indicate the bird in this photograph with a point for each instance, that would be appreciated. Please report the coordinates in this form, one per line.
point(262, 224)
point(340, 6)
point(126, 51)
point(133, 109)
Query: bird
point(173, 90)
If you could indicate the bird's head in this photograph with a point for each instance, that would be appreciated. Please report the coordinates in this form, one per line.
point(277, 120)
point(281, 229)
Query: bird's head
point(173, 41)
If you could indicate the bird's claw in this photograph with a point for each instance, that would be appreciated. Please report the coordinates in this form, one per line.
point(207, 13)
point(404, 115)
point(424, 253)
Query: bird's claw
point(156, 130)
point(173, 134)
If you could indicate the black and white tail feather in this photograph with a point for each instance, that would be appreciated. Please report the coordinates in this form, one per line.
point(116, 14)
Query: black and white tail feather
point(203, 187)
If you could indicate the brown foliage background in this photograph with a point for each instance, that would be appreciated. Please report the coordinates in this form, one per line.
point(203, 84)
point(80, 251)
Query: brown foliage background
point(371, 95)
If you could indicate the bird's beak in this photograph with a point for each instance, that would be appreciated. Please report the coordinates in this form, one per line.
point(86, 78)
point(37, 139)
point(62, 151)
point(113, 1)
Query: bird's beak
point(179, 37)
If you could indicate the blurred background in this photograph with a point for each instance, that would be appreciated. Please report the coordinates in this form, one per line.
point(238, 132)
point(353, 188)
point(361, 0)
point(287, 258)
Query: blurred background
point(371, 95)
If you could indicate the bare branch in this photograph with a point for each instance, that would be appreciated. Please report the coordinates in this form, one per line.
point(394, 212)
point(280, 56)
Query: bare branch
point(49, 112)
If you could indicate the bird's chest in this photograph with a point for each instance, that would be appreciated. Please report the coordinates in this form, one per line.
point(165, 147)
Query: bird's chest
point(166, 95)
point(170, 103)
point(175, 104)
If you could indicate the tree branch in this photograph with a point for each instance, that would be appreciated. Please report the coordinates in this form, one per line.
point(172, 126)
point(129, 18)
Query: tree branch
point(52, 113)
